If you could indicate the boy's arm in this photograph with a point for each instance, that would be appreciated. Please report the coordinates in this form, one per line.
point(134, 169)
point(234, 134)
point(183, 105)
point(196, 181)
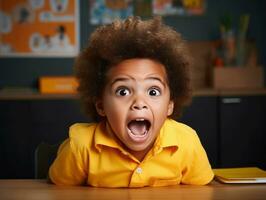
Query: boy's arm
point(197, 170)
point(68, 168)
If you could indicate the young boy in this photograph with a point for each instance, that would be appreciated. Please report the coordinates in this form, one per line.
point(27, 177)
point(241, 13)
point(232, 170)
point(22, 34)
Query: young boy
point(133, 78)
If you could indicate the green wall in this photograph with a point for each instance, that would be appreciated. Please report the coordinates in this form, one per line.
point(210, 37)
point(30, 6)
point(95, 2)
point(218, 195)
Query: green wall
point(24, 72)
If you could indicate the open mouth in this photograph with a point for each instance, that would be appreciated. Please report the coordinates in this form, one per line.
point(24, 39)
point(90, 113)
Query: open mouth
point(138, 128)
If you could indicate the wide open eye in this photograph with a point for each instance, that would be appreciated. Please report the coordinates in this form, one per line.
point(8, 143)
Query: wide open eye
point(154, 92)
point(122, 92)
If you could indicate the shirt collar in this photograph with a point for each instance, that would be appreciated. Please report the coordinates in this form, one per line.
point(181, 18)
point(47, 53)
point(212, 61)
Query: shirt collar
point(167, 138)
point(102, 138)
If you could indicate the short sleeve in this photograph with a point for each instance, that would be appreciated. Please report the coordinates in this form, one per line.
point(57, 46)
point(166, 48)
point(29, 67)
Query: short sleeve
point(197, 170)
point(68, 167)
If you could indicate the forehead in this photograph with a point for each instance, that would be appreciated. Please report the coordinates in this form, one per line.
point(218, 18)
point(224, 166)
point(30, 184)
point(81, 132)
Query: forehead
point(138, 68)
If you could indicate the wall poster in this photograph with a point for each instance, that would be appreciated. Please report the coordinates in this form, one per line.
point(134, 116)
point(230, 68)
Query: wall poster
point(106, 11)
point(39, 28)
point(179, 7)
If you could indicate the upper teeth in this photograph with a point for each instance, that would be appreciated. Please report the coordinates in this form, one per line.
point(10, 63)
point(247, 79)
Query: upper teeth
point(140, 119)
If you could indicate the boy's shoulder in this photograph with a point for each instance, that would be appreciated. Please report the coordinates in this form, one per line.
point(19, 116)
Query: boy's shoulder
point(82, 132)
point(183, 134)
point(179, 128)
point(82, 127)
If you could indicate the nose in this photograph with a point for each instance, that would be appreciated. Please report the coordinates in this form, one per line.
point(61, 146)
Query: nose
point(139, 103)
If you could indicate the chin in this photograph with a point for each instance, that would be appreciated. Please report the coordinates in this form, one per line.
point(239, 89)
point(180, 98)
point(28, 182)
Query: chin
point(138, 148)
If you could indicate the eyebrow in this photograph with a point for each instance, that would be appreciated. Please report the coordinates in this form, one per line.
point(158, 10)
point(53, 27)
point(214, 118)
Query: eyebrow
point(118, 80)
point(156, 79)
point(129, 78)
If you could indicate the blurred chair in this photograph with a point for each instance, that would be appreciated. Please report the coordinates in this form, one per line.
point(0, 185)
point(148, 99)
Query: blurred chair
point(43, 158)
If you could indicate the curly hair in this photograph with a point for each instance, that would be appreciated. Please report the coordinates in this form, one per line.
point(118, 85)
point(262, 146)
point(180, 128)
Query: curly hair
point(133, 38)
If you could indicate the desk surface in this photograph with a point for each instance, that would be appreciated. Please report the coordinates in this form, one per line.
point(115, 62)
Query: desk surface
point(39, 189)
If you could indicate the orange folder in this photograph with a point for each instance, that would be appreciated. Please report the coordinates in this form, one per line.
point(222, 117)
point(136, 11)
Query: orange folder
point(58, 85)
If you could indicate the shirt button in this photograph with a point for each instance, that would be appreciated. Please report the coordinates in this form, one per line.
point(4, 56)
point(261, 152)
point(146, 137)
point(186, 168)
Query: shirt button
point(139, 170)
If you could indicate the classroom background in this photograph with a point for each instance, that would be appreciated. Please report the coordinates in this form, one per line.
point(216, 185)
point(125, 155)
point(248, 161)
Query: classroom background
point(227, 110)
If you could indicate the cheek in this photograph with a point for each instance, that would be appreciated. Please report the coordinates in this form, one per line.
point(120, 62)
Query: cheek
point(113, 110)
point(161, 106)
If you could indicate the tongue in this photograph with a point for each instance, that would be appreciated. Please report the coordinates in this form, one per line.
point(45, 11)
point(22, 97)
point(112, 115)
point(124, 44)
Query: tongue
point(138, 127)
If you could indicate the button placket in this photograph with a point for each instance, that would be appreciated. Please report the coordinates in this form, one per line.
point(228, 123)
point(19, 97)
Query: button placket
point(139, 170)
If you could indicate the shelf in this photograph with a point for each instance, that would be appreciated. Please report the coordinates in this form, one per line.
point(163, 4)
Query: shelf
point(31, 94)
point(229, 92)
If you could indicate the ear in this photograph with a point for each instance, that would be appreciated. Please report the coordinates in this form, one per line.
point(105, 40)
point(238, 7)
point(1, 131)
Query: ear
point(99, 107)
point(170, 108)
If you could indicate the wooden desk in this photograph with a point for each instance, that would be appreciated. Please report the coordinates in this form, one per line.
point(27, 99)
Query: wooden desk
point(39, 189)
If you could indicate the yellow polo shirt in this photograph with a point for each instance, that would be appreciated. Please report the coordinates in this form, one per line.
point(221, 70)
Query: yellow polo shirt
point(92, 157)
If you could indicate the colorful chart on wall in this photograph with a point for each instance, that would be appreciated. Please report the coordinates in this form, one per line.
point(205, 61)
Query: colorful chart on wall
point(106, 11)
point(39, 28)
point(179, 7)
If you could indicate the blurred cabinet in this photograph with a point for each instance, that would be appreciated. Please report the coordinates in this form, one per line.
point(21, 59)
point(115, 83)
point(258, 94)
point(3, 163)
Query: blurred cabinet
point(201, 115)
point(242, 124)
point(51, 119)
point(15, 139)
point(231, 129)
point(26, 123)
